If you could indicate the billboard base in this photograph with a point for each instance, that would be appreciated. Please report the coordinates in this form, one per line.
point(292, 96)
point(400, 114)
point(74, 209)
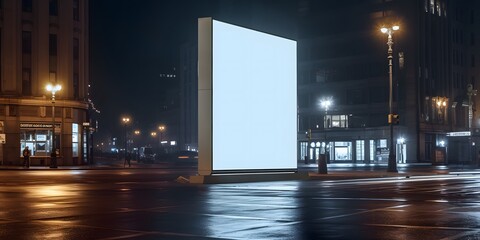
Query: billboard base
point(239, 178)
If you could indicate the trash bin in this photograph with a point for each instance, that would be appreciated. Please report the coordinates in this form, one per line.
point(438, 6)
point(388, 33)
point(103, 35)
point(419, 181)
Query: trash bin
point(322, 164)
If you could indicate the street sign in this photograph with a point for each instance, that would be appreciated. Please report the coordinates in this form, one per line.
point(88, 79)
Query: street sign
point(458, 134)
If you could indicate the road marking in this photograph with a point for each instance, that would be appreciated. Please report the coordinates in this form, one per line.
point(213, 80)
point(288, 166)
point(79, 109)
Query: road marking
point(397, 180)
point(366, 211)
point(460, 235)
point(422, 227)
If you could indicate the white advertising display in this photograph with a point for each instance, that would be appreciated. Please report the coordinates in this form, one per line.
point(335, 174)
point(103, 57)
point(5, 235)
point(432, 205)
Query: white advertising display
point(254, 100)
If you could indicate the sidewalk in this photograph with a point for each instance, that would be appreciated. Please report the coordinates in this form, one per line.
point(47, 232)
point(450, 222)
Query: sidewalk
point(342, 171)
point(100, 165)
point(362, 171)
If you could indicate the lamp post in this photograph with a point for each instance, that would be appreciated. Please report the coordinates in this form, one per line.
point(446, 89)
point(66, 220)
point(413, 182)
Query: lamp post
point(322, 161)
point(392, 162)
point(154, 135)
point(137, 134)
point(161, 129)
point(53, 89)
point(125, 121)
point(326, 103)
point(470, 93)
point(441, 103)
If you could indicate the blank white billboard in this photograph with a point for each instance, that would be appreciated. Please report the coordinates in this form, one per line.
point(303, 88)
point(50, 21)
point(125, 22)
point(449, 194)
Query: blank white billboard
point(253, 100)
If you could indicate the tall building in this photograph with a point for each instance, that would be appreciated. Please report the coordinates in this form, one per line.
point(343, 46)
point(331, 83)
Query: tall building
point(343, 57)
point(44, 42)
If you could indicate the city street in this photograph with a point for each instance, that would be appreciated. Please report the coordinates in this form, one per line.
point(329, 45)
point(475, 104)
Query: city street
point(147, 203)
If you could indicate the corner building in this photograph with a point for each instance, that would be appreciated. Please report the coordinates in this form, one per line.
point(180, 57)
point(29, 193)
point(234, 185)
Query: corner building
point(343, 55)
point(44, 42)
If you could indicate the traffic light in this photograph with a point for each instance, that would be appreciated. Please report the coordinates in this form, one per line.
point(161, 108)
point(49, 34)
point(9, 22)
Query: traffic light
point(393, 119)
point(396, 119)
point(309, 134)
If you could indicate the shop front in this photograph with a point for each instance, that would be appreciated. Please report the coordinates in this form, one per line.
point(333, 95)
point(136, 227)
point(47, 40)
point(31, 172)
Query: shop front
point(38, 138)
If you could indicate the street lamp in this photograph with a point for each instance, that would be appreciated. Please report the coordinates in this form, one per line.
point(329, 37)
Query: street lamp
point(125, 121)
point(322, 161)
point(137, 133)
point(53, 89)
point(441, 103)
point(470, 93)
point(153, 134)
point(326, 103)
point(161, 129)
point(392, 162)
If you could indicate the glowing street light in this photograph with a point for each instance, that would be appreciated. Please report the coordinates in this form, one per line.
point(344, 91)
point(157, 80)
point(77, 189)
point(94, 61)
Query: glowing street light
point(53, 89)
point(322, 162)
point(392, 162)
point(161, 129)
point(125, 121)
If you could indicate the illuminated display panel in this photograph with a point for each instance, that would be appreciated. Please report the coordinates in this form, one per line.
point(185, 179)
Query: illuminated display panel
point(254, 98)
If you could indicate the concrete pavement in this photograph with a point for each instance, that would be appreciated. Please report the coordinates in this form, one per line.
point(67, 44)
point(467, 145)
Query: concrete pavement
point(335, 171)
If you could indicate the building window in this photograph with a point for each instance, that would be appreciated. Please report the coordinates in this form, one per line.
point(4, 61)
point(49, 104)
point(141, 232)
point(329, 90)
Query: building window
point(372, 149)
point(53, 7)
point(52, 45)
point(360, 147)
point(75, 137)
point(27, 5)
point(27, 82)
point(75, 86)
point(76, 10)
point(26, 42)
point(26, 63)
point(76, 48)
point(343, 151)
point(52, 49)
point(37, 141)
point(336, 121)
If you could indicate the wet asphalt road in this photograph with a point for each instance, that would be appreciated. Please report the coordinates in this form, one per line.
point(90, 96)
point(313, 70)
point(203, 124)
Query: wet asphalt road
point(149, 204)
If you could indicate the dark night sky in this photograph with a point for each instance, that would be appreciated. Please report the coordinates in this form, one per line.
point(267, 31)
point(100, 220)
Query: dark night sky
point(133, 42)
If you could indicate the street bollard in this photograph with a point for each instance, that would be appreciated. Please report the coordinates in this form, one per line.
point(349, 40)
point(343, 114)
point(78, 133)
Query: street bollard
point(306, 159)
point(322, 164)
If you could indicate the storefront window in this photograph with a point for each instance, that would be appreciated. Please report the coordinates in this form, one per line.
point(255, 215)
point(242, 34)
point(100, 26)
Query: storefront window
point(36, 140)
point(343, 151)
point(379, 150)
point(75, 137)
point(360, 150)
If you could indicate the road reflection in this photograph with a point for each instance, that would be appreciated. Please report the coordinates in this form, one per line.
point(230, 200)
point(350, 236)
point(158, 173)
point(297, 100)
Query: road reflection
point(266, 211)
point(50, 191)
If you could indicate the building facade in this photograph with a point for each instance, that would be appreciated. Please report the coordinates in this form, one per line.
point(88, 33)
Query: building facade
point(434, 80)
point(44, 42)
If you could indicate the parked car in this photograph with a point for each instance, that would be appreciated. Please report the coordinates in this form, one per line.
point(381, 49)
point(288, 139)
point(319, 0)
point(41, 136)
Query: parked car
point(189, 155)
point(146, 154)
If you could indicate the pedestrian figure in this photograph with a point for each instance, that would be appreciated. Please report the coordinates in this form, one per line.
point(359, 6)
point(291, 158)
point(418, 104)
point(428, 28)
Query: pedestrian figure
point(128, 157)
point(26, 157)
